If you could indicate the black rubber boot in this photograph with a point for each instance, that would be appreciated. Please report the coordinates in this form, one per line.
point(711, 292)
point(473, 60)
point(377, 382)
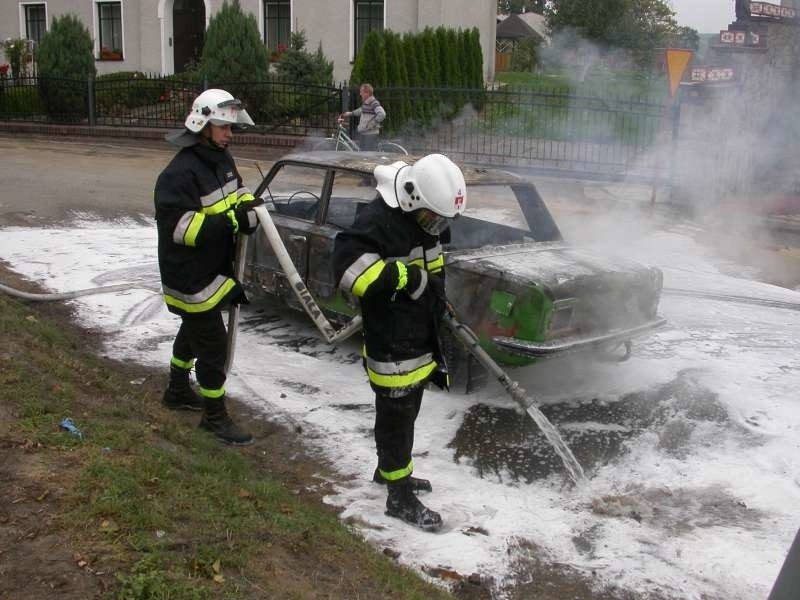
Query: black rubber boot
point(216, 420)
point(403, 504)
point(179, 394)
point(417, 484)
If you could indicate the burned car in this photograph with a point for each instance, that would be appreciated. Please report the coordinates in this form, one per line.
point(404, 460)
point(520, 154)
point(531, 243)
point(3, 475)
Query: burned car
point(511, 277)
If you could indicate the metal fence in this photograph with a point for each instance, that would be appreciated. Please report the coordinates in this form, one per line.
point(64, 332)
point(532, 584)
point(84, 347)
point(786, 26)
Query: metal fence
point(540, 129)
point(506, 126)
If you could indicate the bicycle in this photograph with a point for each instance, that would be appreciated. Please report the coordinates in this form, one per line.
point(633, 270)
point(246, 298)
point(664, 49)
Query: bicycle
point(340, 141)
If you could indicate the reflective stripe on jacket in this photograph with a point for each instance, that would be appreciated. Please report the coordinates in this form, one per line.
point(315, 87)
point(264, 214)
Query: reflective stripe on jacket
point(370, 261)
point(195, 198)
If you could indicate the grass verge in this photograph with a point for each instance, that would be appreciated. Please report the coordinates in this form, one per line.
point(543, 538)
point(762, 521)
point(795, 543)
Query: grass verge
point(146, 506)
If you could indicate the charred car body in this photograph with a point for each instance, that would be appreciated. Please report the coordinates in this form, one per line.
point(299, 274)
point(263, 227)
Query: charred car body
point(510, 275)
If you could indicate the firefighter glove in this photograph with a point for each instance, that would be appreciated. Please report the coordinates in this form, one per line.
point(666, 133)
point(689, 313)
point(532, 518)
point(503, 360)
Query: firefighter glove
point(416, 280)
point(246, 216)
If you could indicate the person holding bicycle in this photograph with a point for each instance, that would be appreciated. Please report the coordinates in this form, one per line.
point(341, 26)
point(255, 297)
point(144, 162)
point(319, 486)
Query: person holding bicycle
point(370, 115)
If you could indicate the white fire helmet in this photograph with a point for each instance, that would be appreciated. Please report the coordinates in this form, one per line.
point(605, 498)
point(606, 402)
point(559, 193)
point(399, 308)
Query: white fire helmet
point(217, 107)
point(433, 182)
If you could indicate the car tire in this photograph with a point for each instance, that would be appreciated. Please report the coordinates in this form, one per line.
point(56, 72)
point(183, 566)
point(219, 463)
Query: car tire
point(466, 374)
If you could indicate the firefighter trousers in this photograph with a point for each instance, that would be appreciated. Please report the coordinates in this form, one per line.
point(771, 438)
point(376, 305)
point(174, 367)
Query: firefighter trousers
point(394, 431)
point(203, 337)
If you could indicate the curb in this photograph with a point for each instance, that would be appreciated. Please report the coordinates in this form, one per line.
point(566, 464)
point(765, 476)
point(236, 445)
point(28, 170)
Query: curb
point(139, 133)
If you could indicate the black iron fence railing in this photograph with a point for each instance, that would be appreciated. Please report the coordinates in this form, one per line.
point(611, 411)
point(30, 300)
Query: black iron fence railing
point(505, 126)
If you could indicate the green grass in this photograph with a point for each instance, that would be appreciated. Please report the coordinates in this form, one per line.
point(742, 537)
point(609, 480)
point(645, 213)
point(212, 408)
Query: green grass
point(621, 84)
point(173, 512)
point(619, 109)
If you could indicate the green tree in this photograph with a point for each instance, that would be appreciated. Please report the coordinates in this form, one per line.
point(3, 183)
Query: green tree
point(305, 81)
point(233, 50)
point(370, 63)
point(505, 7)
point(66, 61)
point(398, 107)
point(297, 65)
point(638, 26)
point(686, 37)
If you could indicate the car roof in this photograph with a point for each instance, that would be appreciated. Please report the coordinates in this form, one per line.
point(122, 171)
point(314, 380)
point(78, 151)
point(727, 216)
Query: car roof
point(366, 162)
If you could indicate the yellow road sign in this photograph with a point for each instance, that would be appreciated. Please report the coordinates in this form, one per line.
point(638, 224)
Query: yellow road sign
point(677, 61)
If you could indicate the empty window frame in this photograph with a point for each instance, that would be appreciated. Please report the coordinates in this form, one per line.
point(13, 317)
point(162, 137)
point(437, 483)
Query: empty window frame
point(109, 29)
point(35, 21)
point(368, 16)
point(277, 24)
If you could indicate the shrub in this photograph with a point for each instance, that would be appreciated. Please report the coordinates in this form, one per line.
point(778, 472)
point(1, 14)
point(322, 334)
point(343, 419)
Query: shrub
point(18, 101)
point(128, 89)
point(66, 62)
point(297, 65)
point(233, 50)
point(18, 53)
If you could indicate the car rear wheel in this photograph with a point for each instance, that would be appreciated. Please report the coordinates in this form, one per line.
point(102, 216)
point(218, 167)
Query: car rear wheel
point(466, 374)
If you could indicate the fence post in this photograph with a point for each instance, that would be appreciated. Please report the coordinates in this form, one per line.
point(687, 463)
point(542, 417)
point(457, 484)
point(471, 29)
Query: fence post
point(676, 126)
point(345, 95)
point(91, 107)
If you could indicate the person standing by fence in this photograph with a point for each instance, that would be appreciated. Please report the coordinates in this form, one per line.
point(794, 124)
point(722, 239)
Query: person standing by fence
point(370, 116)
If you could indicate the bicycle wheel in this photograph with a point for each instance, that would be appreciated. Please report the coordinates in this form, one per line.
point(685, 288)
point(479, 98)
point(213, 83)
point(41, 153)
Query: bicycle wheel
point(391, 148)
point(326, 144)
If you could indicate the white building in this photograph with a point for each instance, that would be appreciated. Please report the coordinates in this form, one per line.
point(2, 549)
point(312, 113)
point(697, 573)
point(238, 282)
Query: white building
point(165, 36)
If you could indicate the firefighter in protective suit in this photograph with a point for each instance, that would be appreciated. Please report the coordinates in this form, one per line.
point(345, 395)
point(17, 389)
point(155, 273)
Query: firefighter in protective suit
point(201, 205)
point(392, 261)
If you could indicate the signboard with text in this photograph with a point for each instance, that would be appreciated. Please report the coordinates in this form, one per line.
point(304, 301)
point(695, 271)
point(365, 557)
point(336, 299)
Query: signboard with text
point(741, 38)
point(765, 9)
point(711, 74)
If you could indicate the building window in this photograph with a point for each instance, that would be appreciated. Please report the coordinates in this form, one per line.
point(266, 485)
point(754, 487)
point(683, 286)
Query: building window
point(277, 25)
point(109, 27)
point(35, 21)
point(368, 16)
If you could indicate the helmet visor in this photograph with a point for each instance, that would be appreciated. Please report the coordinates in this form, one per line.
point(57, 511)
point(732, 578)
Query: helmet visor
point(431, 222)
point(232, 102)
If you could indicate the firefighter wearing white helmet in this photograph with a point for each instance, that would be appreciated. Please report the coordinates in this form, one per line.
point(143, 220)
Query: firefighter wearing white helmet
point(201, 205)
point(392, 261)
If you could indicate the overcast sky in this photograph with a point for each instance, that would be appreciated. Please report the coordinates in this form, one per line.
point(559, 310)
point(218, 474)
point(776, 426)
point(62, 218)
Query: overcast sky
point(706, 16)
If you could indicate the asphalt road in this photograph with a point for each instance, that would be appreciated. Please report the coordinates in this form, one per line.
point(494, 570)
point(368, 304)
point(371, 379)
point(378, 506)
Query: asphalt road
point(47, 181)
point(50, 180)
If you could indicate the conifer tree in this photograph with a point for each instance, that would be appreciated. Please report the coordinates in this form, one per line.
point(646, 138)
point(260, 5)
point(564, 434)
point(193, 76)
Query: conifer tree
point(299, 66)
point(414, 53)
point(370, 63)
point(397, 106)
point(233, 50)
point(66, 61)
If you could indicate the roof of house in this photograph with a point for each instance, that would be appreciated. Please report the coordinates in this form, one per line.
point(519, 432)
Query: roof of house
point(521, 26)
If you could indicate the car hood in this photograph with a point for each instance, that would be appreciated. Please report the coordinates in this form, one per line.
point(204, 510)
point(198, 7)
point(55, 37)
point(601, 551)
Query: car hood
point(553, 265)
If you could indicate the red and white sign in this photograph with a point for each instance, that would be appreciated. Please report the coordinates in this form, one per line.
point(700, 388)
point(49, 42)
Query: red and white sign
point(739, 38)
point(459, 200)
point(711, 74)
point(764, 9)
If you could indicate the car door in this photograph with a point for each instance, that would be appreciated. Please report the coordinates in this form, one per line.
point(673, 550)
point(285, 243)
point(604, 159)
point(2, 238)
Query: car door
point(294, 194)
point(350, 191)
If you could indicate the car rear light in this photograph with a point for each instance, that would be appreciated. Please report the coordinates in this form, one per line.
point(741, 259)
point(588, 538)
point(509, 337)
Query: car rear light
point(561, 317)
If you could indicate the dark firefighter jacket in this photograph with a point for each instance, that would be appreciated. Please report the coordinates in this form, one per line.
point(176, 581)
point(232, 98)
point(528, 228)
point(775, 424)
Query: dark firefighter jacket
point(400, 324)
point(195, 199)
